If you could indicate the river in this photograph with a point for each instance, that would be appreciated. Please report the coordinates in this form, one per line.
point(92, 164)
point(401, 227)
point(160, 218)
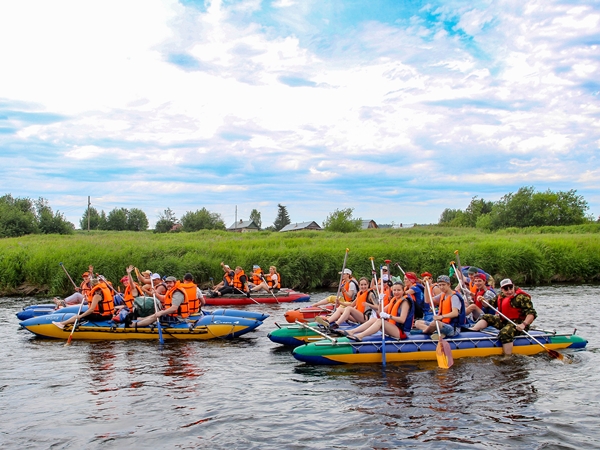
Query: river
point(252, 394)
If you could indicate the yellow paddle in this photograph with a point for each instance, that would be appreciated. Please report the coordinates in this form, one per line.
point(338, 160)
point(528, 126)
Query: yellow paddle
point(443, 352)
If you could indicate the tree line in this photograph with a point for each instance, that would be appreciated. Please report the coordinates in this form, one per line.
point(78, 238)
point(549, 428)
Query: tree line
point(525, 208)
point(21, 216)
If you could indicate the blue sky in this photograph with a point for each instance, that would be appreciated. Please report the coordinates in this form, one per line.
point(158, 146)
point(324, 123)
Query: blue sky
point(398, 109)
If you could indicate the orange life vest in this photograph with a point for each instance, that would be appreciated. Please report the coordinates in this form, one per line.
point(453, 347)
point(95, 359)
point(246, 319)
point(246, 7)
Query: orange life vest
point(106, 306)
point(361, 300)
point(191, 291)
point(128, 296)
point(228, 278)
point(257, 276)
point(270, 281)
point(237, 282)
point(395, 308)
point(183, 309)
point(346, 289)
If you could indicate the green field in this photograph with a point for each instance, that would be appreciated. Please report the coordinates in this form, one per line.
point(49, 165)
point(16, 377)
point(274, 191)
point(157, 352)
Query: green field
point(306, 260)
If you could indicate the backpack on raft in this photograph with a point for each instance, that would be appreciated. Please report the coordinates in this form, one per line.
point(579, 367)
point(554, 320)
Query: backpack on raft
point(143, 307)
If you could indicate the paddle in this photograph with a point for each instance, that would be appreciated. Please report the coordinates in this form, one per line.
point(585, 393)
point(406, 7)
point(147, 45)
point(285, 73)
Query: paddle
point(442, 351)
point(400, 267)
point(272, 293)
point(160, 336)
point(69, 276)
point(337, 295)
point(553, 353)
point(78, 312)
point(460, 276)
point(244, 293)
point(383, 356)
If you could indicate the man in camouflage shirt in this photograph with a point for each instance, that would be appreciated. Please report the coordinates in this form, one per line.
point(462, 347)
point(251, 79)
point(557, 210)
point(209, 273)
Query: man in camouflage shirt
point(517, 306)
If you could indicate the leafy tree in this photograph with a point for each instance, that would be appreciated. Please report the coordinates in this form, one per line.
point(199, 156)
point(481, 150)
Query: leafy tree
point(102, 221)
point(282, 219)
point(117, 219)
point(49, 222)
point(94, 219)
point(448, 216)
point(166, 221)
point(202, 219)
point(342, 221)
point(255, 216)
point(527, 208)
point(137, 220)
point(17, 217)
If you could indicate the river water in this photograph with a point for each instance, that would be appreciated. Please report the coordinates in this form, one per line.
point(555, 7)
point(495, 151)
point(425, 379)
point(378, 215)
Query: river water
point(251, 393)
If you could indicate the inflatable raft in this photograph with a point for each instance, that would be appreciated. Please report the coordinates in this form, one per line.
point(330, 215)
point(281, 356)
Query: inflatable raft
point(282, 296)
point(420, 347)
point(41, 310)
point(202, 327)
point(295, 334)
point(307, 314)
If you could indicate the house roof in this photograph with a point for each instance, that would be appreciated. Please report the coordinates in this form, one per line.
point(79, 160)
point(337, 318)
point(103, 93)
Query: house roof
point(365, 223)
point(299, 226)
point(243, 224)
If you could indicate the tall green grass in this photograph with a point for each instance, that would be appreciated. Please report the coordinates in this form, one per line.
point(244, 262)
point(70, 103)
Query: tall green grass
point(306, 260)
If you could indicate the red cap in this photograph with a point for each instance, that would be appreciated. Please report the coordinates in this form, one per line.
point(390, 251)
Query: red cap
point(85, 274)
point(481, 276)
point(426, 274)
point(126, 277)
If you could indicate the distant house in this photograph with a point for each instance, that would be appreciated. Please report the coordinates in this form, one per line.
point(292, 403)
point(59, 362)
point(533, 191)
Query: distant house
point(368, 224)
point(244, 226)
point(301, 226)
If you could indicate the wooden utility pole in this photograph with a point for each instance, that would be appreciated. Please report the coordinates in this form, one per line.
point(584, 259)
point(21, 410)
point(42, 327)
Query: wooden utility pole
point(88, 213)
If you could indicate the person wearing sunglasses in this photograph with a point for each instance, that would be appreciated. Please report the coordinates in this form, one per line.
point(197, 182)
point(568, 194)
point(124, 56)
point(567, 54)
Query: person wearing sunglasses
point(515, 304)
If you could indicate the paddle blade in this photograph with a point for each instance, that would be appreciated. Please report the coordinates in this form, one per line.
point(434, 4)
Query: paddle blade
point(69, 340)
point(564, 358)
point(444, 355)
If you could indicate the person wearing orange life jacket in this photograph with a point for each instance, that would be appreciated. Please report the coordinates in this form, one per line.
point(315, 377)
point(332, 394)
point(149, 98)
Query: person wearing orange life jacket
point(427, 277)
point(451, 312)
point(175, 304)
point(256, 277)
point(226, 284)
point(515, 304)
point(478, 308)
point(269, 283)
point(101, 306)
point(348, 291)
point(80, 295)
point(132, 290)
point(398, 317)
point(355, 311)
point(194, 294)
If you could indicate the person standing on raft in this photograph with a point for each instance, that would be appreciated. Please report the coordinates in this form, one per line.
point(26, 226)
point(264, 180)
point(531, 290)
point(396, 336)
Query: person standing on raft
point(515, 304)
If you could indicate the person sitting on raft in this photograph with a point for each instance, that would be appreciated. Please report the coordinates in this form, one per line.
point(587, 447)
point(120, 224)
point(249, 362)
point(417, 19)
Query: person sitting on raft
point(226, 282)
point(175, 304)
point(451, 312)
point(256, 277)
point(101, 305)
point(80, 295)
point(515, 304)
point(427, 277)
point(348, 290)
point(355, 311)
point(269, 283)
point(239, 284)
point(398, 317)
point(194, 294)
point(416, 290)
point(478, 308)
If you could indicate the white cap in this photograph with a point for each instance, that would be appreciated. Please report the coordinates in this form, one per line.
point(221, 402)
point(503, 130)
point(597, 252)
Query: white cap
point(155, 276)
point(348, 271)
point(506, 282)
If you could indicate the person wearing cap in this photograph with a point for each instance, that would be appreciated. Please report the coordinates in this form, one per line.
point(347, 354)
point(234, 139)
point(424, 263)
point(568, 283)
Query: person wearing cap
point(398, 317)
point(238, 284)
point(194, 294)
point(257, 276)
point(427, 277)
point(175, 304)
point(267, 283)
point(451, 315)
point(415, 290)
point(348, 290)
point(516, 305)
point(478, 308)
point(80, 294)
point(101, 303)
point(365, 299)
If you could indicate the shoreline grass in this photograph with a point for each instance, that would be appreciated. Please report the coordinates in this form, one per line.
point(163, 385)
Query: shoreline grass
point(306, 260)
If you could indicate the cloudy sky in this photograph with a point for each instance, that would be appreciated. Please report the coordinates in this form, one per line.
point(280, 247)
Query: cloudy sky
point(397, 109)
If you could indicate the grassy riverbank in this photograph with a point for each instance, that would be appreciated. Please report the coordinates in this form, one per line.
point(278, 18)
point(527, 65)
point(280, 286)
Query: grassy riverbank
point(306, 260)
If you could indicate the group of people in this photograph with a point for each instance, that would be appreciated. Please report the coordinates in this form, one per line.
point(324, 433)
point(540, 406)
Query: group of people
point(400, 304)
point(237, 282)
point(173, 299)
